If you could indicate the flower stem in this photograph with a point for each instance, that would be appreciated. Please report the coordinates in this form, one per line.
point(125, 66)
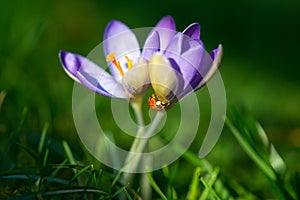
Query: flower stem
point(137, 108)
point(140, 142)
point(143, 137)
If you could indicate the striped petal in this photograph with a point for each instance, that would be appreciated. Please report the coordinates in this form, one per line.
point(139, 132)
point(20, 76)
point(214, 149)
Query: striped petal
point(91, 75)
point(120, 39)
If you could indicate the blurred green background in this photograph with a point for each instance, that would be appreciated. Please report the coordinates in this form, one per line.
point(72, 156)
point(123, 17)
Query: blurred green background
point(260, 67)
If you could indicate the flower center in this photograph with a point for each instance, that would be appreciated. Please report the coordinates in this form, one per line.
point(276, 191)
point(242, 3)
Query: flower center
point(112, 58)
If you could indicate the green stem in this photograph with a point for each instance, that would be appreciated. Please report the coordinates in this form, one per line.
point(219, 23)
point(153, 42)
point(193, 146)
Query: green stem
point(140, 142)
point(146, 135)
point(137, 108)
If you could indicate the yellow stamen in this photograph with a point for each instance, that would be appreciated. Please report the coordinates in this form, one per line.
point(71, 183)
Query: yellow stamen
point(129, 62)
point(112, 58)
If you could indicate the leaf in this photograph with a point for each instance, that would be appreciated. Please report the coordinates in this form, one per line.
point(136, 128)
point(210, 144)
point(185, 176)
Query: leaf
point(155, 187)
point(194, 186)
point(208, 185)
point(266, 169)
point(274, 158)
point(42, 139)
point(263, 154)
point(61, 192)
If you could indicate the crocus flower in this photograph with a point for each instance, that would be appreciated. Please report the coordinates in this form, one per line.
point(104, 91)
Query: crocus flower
point(175, 64)
point(182, 68)
point(129, 76)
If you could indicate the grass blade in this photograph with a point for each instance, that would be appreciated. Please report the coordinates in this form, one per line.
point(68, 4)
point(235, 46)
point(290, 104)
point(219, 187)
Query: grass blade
point(80, 172)
point(207, 186)
point(43, 137)
point(155, 187)
point(71, 159)
point(61, 192)
point(194, 186)
point(275, 159)
point(266, 169)
point(69, 152)
point(206, 166)
point(15, 134)
point(210, 183)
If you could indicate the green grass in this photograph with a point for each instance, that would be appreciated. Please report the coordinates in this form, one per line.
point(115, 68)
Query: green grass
point(78, 180)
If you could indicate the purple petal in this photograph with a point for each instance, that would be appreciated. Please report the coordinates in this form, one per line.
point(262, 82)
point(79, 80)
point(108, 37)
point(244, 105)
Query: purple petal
point(185, 54)
point(175, 47)
point(120, 39)
point(151, 45)
point(166, 30)
point(193, 31)
point(70, 63)
point(210, 64)
point(90, 75)
point(194, 53)
point(180, 44)
point(189, 63)
point(214, 52)
point(184, 48)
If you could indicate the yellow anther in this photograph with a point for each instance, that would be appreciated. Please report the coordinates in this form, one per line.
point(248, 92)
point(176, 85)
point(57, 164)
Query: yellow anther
point(112, 58)
point(129, 62)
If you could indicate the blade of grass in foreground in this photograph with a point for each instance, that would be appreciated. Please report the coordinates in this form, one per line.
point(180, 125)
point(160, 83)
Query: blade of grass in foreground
point(83, 170)
point(15, 134)
point(205, 166)
point(194, 186)
point(71, 159)
point(60, 192)
point(42, 139)
point(155, 187)
point(170, 172)
point(208, 187)
point(272, 166)
point(266, 169)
